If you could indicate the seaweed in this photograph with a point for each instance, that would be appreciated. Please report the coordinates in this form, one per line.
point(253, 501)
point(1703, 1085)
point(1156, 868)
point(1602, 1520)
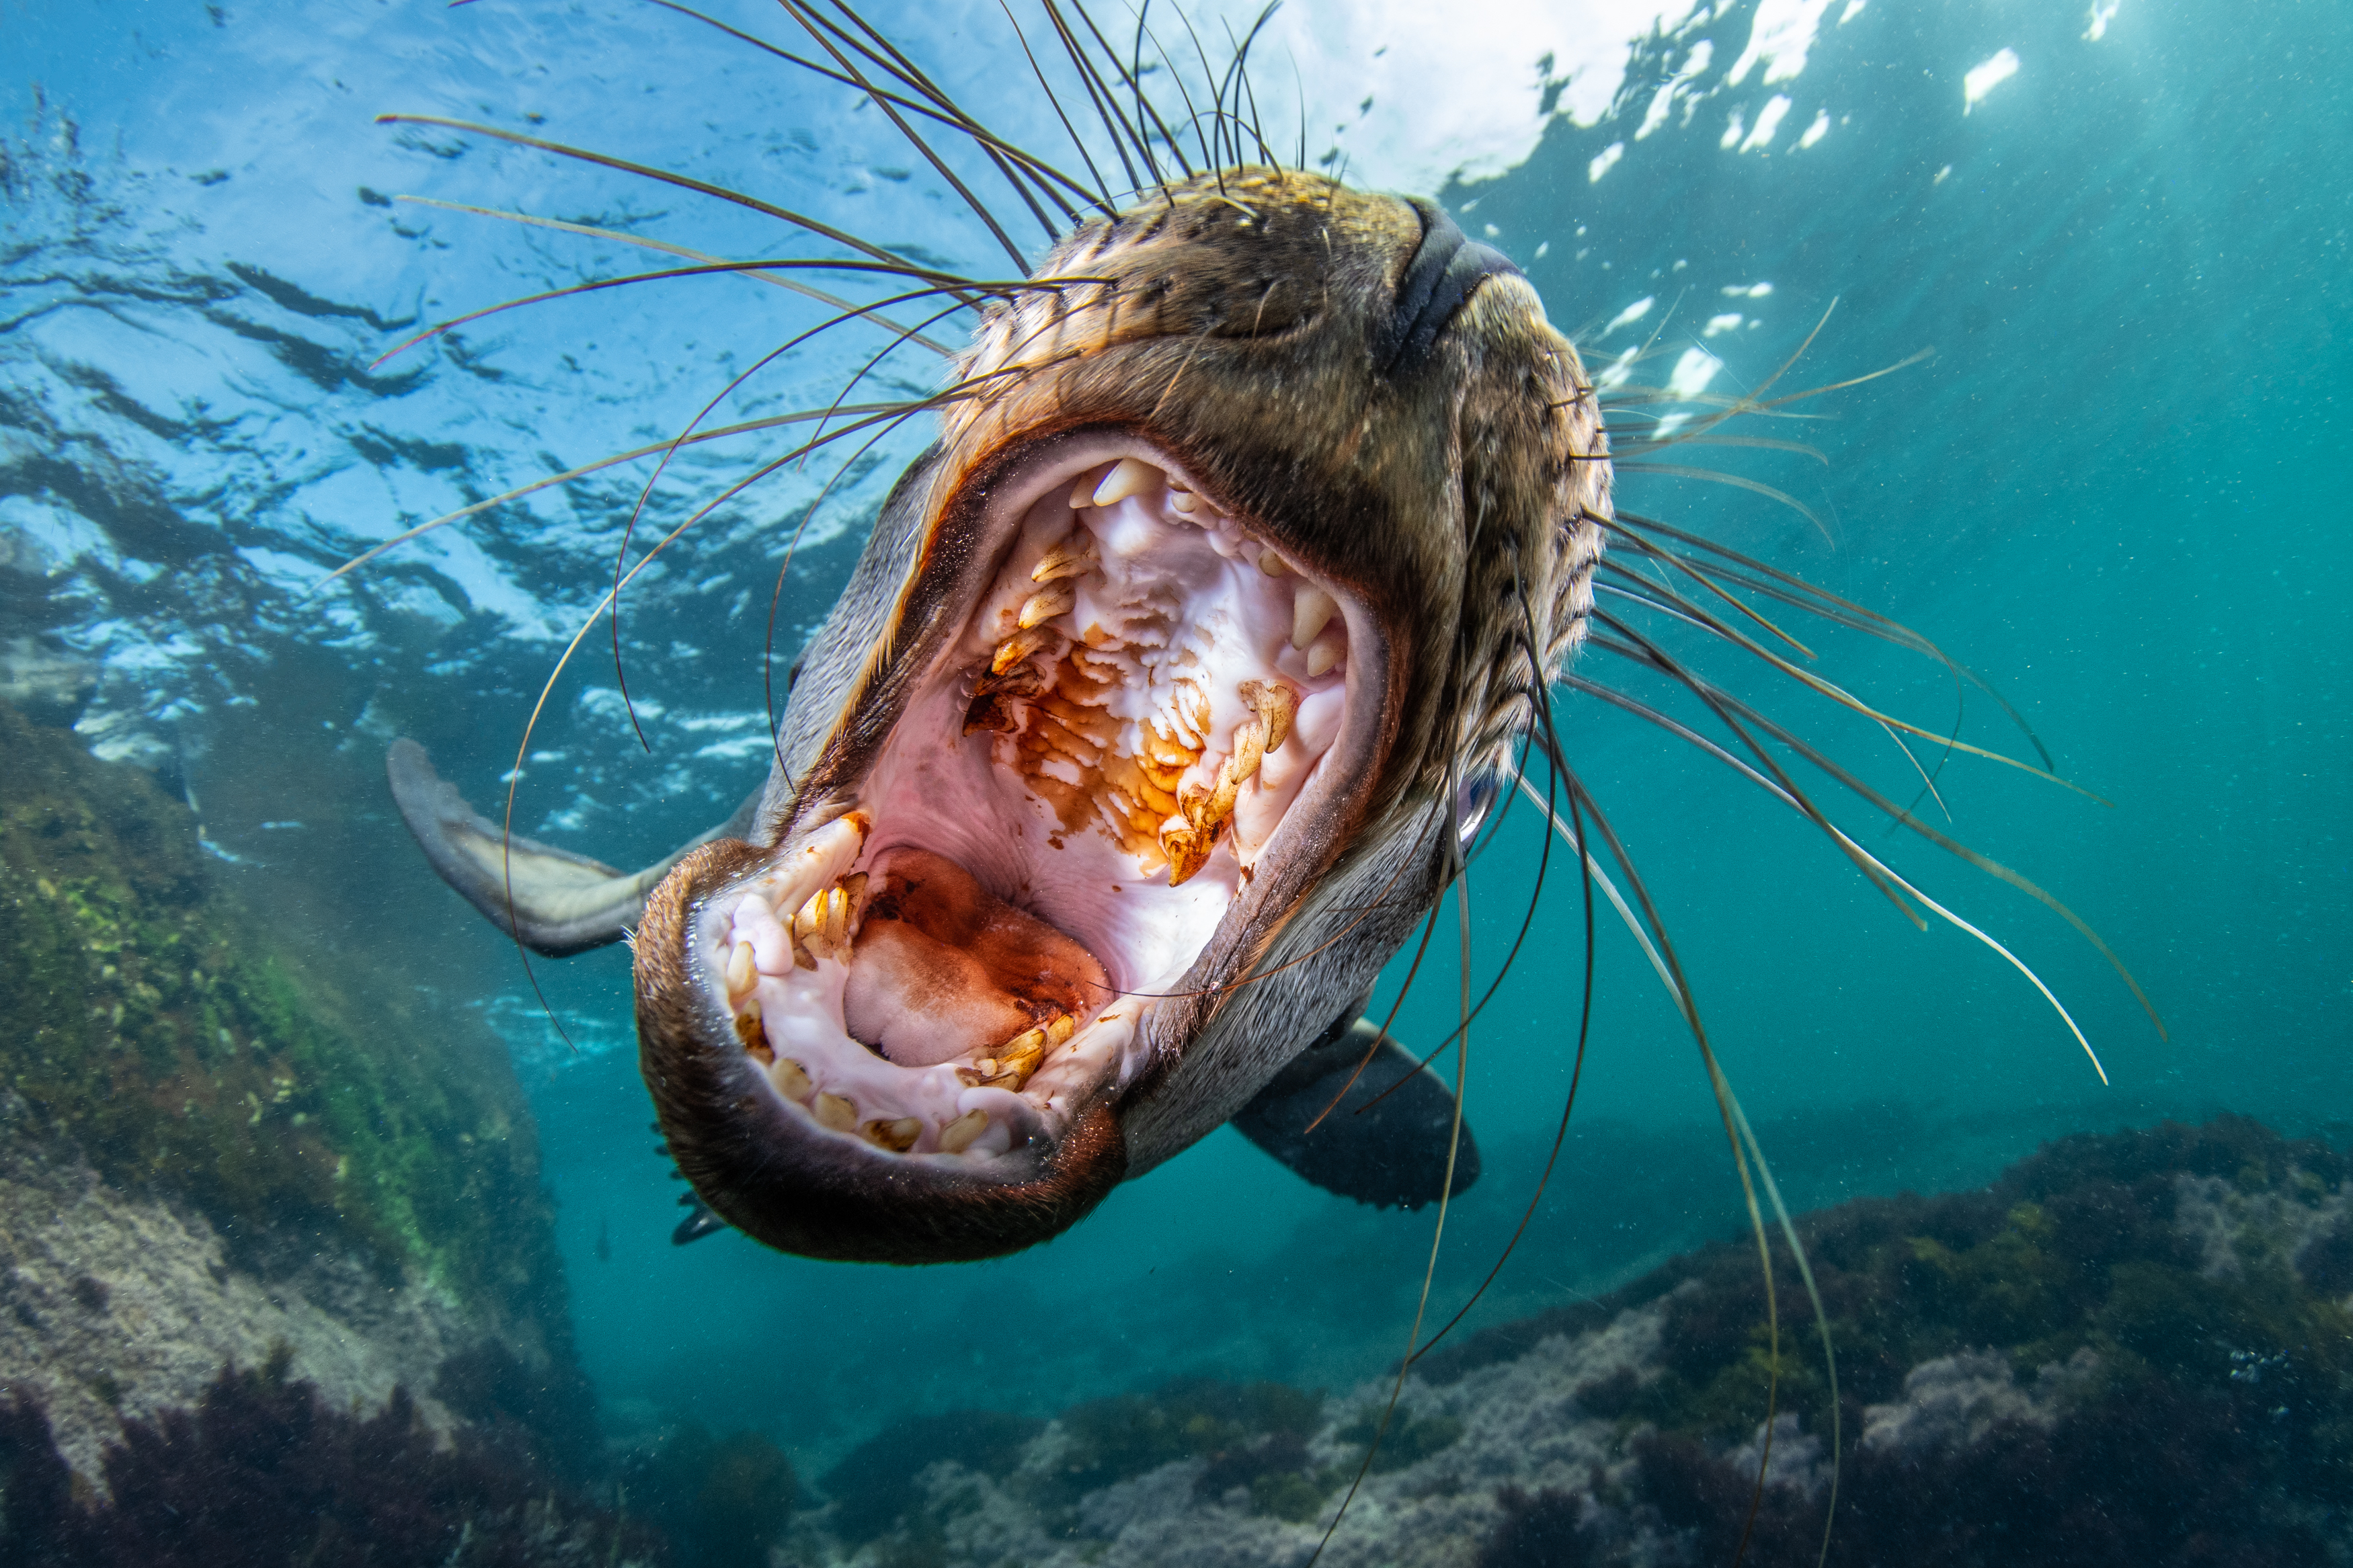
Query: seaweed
point(159, 1028)
point(2208, 1421)
point(262, 1471)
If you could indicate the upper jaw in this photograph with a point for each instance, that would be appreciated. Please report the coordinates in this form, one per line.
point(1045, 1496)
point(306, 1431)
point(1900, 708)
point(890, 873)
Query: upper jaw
point(1109, 748)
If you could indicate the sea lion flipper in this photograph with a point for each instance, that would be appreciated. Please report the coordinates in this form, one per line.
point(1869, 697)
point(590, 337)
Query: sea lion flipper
point(1392, 1156)
point(563, 903)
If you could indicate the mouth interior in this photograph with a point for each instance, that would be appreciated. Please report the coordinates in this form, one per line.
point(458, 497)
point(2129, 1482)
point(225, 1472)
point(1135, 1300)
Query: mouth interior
point(1085, 781)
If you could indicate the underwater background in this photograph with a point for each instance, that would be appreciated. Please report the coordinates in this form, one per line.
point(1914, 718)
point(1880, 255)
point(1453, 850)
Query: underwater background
point(2116, 492)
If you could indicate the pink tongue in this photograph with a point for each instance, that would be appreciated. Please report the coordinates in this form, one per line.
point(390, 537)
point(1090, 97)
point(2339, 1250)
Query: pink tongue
point(944, 969)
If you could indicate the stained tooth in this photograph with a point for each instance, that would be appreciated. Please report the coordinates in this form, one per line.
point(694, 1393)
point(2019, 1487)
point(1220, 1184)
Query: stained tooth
point(1324, 655)
point(1048, 602)
point(1276, 703)
point(741, 969)
point(1128, 476)
point(898, 1134)
point(802, 957)
point(1061, 1029)
point(1311, 612)
point(792, 1079)
point(1016, 648)
point(837, 916)
point(1271, 564)
point(755, 1038)
point(1184, 501)
point(957, 1135)
point(832, 1111)
point(1018, 1057)
point(1072, 558)
point(809, 930)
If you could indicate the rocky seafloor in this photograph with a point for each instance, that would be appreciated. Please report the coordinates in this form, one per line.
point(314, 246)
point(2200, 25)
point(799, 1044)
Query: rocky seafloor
point(2130, 1349)
point(277, 1285)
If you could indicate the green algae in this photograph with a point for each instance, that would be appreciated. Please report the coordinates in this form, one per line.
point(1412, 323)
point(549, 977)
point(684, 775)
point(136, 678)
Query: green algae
point(160, 1029)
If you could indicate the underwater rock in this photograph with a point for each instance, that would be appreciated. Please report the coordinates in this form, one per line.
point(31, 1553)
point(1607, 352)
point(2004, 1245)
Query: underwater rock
point(208, 1152)
point(2129, 1350)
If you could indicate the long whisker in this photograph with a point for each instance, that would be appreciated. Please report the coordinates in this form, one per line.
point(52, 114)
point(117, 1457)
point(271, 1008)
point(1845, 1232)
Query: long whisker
point(1131, 76)
point(664, 176)
point(1008, 157)
point(708, 270)
point(724, 432)
point(800, 13)
point(668, 250)
point(1745, 1148)
point(1099, 95)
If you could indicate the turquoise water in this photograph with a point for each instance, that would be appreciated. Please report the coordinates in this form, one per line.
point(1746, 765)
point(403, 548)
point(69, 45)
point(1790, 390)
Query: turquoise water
point(2116, 492)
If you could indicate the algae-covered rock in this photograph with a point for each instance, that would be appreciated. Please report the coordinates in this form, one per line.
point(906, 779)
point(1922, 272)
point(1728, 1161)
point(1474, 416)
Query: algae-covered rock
point(212, 1147)
point(2130, 1350)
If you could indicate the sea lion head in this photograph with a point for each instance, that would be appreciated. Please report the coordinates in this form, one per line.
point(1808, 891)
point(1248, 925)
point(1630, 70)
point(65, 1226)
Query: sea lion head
point(1259, 518)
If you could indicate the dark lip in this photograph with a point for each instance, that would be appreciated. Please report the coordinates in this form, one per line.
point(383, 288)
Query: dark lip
point(822, 1196)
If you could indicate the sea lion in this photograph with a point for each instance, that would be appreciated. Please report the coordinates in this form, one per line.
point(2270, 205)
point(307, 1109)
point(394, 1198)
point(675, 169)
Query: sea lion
point(1137, 743)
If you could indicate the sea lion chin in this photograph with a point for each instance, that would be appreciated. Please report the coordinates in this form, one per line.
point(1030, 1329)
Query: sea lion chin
point(1258, 522)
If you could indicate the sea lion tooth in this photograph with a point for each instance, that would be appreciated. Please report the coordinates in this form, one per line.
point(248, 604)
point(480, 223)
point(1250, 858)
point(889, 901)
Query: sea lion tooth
point(1043, 605)
point(1324, 655)
point(897, 1134)
point(1273, 565)
point(835, 1111)
point(791, 1078)
point(1083, 495)
point(742, 971)
point(1276, 703)
point(836, 915)
point(1183, 502)
point(1016, 648)
point(1311, 612)
point(1061, 1028)
point(755, 1038)
point(956, 1136)
point(1128, 476)
point(1074, 557)
point(802, 957)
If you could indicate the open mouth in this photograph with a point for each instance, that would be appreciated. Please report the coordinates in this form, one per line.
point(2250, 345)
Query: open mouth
point(1146, 702)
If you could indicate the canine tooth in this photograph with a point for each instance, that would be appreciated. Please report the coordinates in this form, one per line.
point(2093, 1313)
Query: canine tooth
point(1061, 1028)
point(1016, 648)
point(791, 1078)
point(1324, 656)
point(897, 1134)
point(833, 1110)
point(1128, 476)
point(741, 969)
point(1311, 612)
point(1072, 558)
point(1083, 495)
point(1271, 564)
point(1046, 604)
point(956, 1136)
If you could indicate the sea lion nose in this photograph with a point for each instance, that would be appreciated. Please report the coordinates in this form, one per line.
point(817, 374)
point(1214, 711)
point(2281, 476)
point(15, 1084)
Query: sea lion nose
point(1446, 267)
